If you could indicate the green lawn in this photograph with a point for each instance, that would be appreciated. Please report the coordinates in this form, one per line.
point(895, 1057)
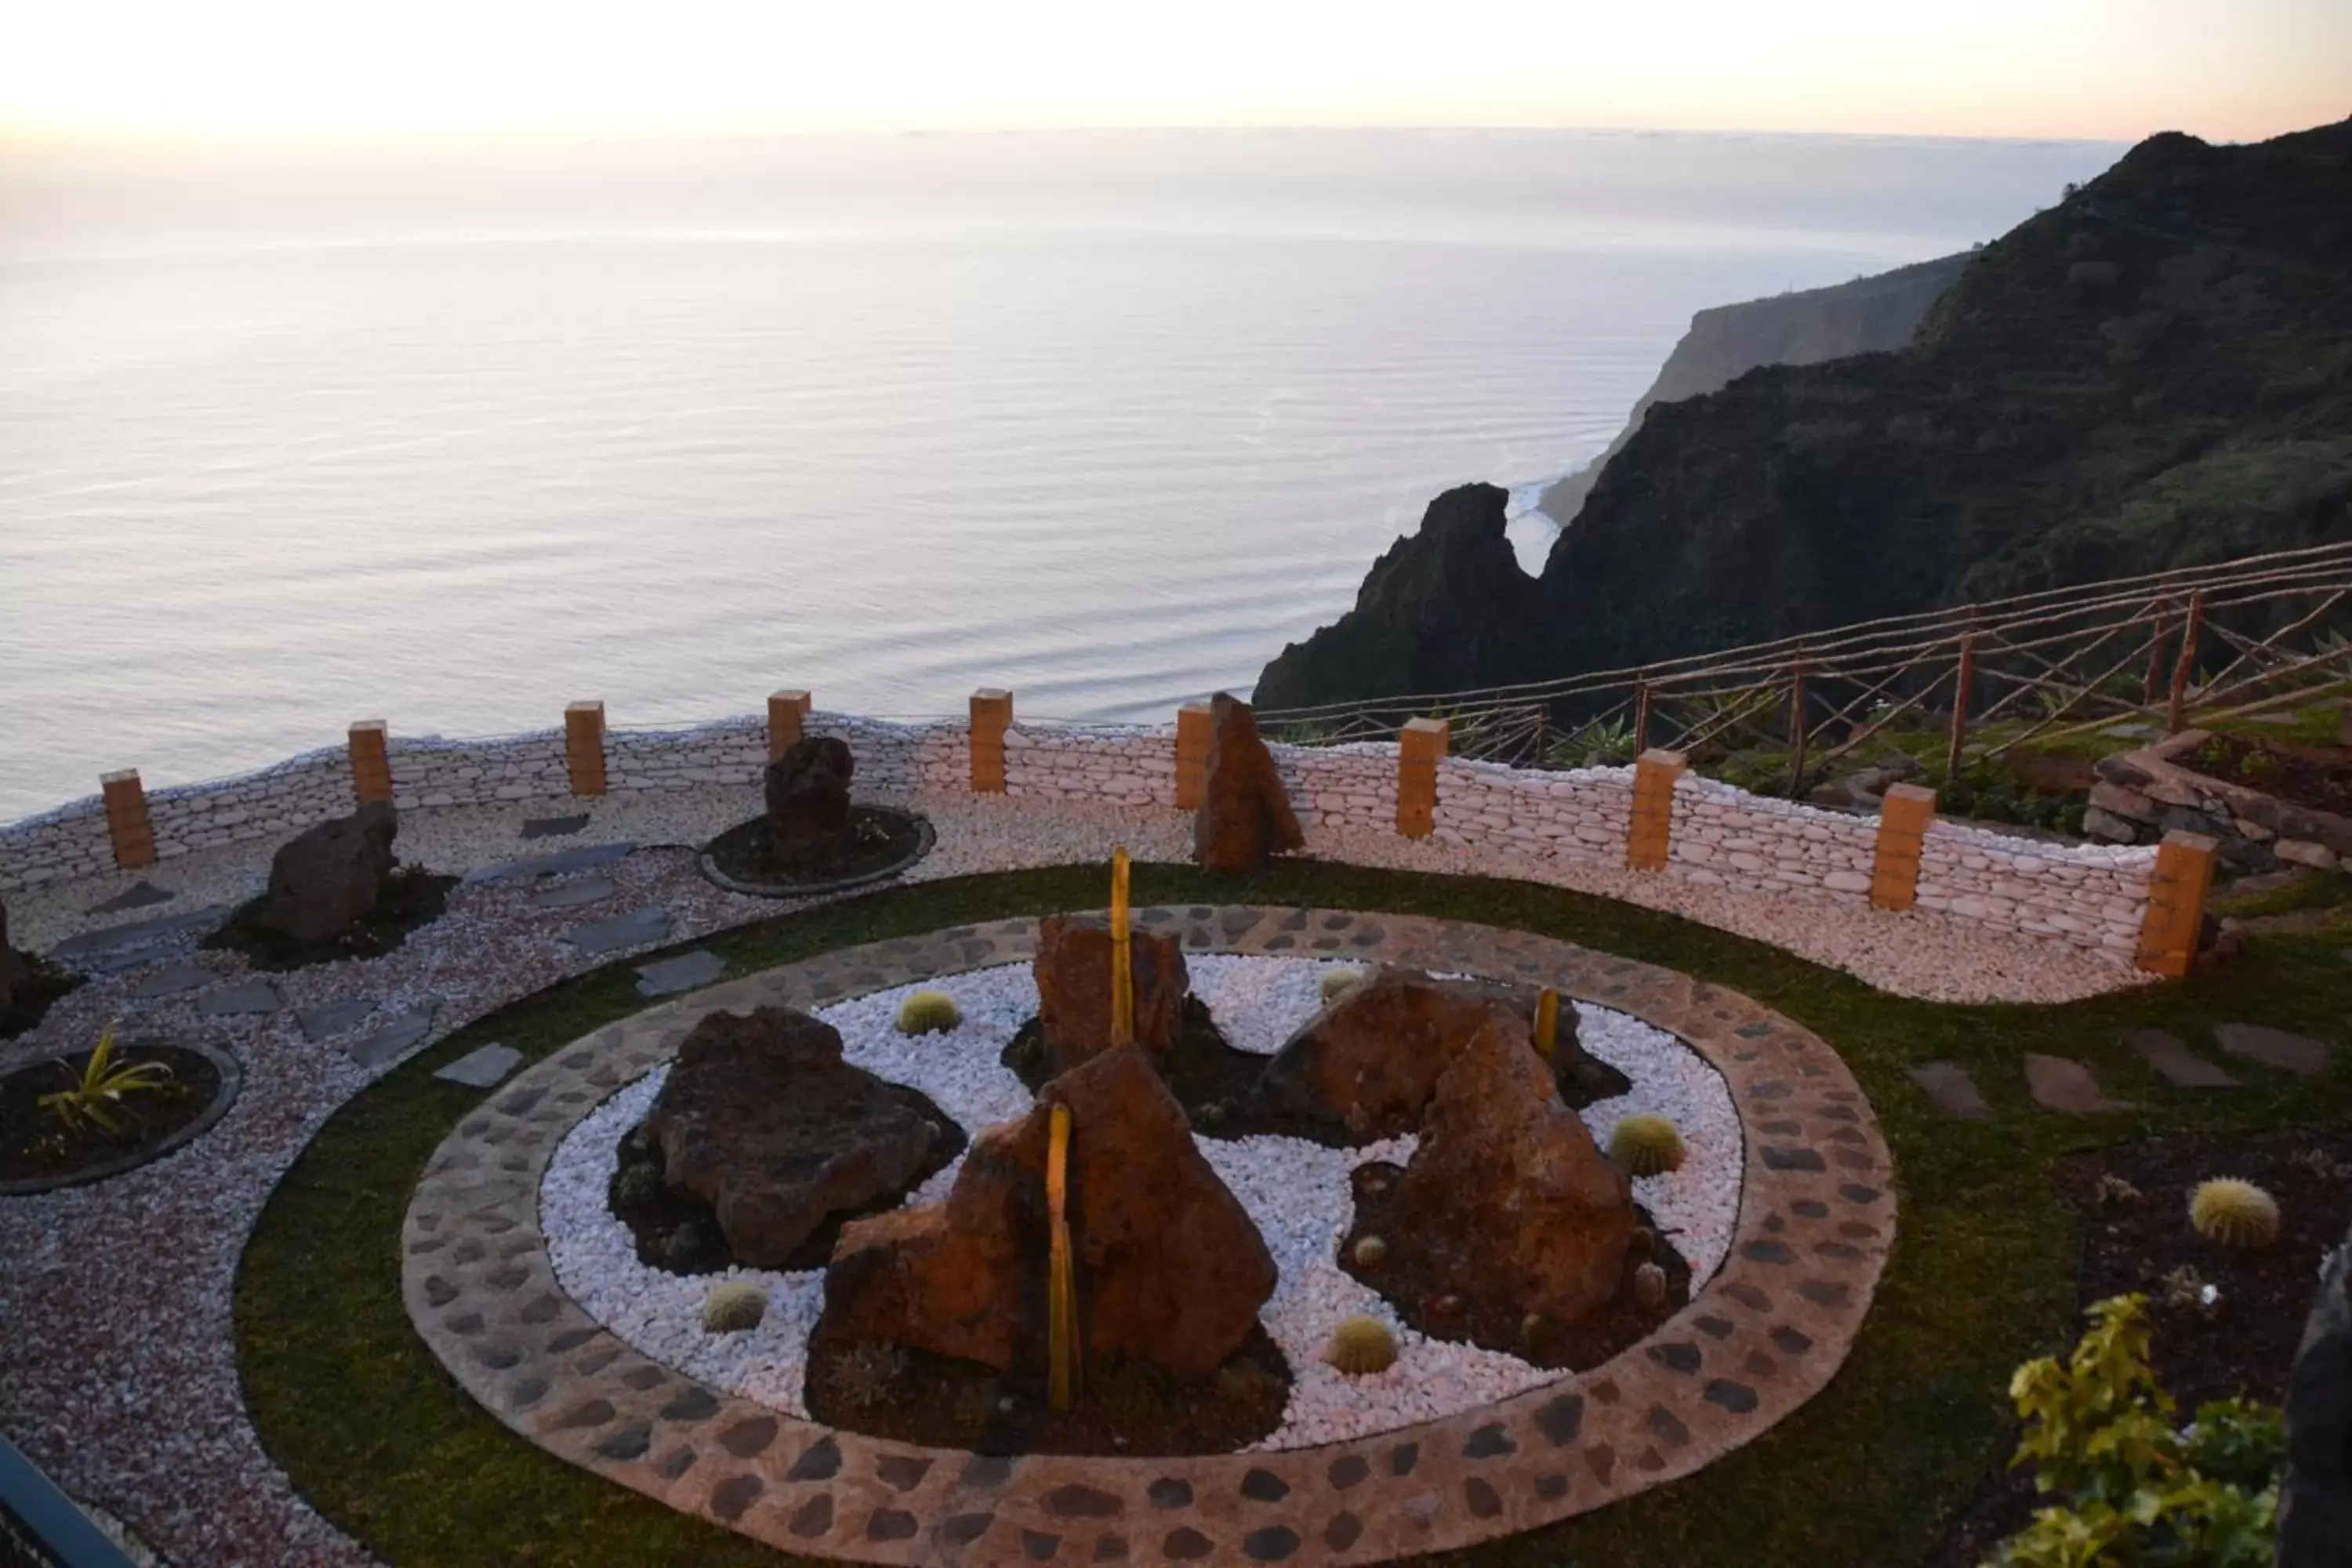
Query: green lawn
point(378, 1438)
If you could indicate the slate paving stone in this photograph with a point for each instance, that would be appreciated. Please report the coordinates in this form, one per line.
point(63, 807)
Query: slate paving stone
point(138, 896)
point(117, 946)
point(554, 826)
point(2168, 1055)
point(636, 929)
point(686, 971)
point(482, 1069)
point(394, 1040)
point(245, 997)
point(2064, 1084)
point(563, 862)
point(331, 1018)
point(2273, 1047)
point(572, 895)
point(1951, 1090)
point(170, 982)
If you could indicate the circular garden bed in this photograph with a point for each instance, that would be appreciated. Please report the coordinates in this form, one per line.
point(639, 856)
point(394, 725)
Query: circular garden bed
point(40, 1150)
point(884, 842)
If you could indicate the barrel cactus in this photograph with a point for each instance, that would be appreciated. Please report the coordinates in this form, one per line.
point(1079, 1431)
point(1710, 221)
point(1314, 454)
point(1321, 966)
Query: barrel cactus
point(732, 1307)
point(1646, 1145)
point(929, 1012)
point(1360, 1346)
point(1370, 1252)
point(1338, 983)
point(2233, 1213)
point(1650, 1286)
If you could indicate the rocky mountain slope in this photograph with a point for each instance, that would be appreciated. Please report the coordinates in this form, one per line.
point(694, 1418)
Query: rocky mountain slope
point(2157, 372)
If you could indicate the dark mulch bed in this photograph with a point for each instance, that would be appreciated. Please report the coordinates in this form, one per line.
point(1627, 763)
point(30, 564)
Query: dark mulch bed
point(39, 986)
point(1435, 1295)
point(35, 1146)
point(412, 898)
point(914, 1396)
point(2247, 1346)
point(2314, 776)
point(678, 1232)
point(882, 837)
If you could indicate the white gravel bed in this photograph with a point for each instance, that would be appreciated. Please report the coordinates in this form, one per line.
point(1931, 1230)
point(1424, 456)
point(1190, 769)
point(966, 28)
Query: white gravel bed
point(1296, 1193)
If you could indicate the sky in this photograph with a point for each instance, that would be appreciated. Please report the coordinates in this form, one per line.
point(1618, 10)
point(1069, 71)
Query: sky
point(312, 69)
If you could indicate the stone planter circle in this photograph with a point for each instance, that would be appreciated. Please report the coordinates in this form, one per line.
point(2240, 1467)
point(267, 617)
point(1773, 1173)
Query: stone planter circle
point(925, 837)
point(232, 1077)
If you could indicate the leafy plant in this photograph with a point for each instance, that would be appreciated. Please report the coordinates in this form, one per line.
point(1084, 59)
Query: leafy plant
point(101, 1087)
point(1601, 745)
point(2138, 1492)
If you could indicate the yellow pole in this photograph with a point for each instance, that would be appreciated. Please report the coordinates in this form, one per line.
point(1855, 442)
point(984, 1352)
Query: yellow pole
point(1122, 967)
point(1547, 1023)
point(1062, 1285)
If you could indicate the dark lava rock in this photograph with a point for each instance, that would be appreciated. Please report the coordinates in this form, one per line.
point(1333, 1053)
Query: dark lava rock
point(762, 1120)
point(1171, 1272)
point(11, 963)
point(808, 802)
point(1370, 1062)
point(326, 878)
point(1073, 982)
point(1244, 816)
point(2315, 1502)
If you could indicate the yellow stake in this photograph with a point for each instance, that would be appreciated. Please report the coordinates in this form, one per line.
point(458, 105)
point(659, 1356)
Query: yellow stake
point(1547, 1023)
point(1062, 1284)
point(1122, 966)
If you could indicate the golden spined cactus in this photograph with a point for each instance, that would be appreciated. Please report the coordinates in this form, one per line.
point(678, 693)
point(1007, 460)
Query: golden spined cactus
point(929, 1012)
point(733, 1306)
point(2233, 1213)
point(1649, 1286)
point(1646, 1145)
point(1338, 983)
point(1362, 1346)
point(1370, 1252)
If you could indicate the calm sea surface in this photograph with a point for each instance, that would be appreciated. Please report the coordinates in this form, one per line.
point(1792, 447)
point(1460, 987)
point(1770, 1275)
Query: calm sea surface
point(453, 437)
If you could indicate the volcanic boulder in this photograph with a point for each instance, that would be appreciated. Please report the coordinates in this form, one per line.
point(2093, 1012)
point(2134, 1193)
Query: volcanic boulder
point(762, 1120)
point(325, 879)
point(2316, 1497)
point(1245, 815)
point(1169, 1270)
point(1507, 1190)
point(11, 965)
point(1370, 1062)
point(1073, 982)
point(808, 802)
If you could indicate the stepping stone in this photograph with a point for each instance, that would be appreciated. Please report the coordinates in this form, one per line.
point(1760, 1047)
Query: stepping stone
point(1951, 1090)
point(170, 982)
point(572, 895)
point(245, 997)
point(331, 1018)
point(394, 1040)
point(481, 1069)
point(2168, 1055)
point(638, 928)
point(586, 858)
point(138, 896)
point(2273, 1047)
point(2064, 1084)
point(116, 947)
point(684, 972)
point(554, 826)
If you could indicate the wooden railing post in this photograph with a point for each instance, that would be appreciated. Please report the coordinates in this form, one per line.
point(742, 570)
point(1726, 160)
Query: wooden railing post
point(1650, 830)
point(371, 762)
point(1641, 717)
point(992, 715)
point(2191, 630)
point(127, 824)
point(1797, 731)
point(583, 747)
point(1195, 730)
point(1903, 815)
point(1963, 689)
point(2176, 904)
point(1420, 745)
point(787, 712)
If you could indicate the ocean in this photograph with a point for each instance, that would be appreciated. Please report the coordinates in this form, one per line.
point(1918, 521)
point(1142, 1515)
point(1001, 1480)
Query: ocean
point(452, 436)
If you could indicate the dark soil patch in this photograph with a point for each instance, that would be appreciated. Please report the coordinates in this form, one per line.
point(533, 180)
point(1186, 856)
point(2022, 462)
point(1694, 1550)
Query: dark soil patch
point(35, 1146)
point(2246, 1347)
point(880, 839)
point(412, 898)
point(2314, 776)
point(678, 1232)
point(1128, 1409)
point(1431, 1294)
point(39, 985)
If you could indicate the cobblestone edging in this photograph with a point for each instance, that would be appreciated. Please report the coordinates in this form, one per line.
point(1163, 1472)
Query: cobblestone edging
point(1816, 1222)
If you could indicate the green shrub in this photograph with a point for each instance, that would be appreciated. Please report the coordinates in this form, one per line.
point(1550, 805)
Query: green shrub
point(929, 1012)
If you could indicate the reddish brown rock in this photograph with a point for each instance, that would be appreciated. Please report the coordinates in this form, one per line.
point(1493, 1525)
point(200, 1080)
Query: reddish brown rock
point(1507, 1188)
point(807, 793)
point(1244, 816)
point(325, 879)
point(1169, 1270)
point(762, 1120)
point(1074, 978)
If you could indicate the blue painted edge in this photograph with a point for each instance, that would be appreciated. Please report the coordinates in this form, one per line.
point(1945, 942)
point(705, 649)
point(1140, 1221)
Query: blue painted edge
point(30, 1499)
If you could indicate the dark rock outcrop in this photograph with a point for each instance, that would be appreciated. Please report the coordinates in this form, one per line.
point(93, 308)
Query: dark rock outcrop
point(11, 965)
point(326, 878)
point(762, 1120)
point(1169, 1270)
point(808, 802)
point(1073, 970)
point(1244, 816)
point(2315, 1501)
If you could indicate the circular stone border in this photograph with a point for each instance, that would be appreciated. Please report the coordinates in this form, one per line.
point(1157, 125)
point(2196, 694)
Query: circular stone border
point(1765, 1334)
point(232, 1079)
point(925, 836)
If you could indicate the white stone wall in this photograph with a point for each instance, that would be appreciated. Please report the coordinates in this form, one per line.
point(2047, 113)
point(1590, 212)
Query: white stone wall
point(1725, 836)
point(1342, 786)
point(2090, 895)
point(1132, 764)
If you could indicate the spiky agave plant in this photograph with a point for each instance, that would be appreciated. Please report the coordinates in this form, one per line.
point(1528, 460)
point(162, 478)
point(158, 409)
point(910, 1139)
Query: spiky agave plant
point(101, 1087)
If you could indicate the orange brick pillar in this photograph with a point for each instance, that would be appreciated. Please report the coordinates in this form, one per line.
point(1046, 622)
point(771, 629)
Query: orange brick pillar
point(992, 715)
point(1419, 746)
point(1903, 819)
point(1650, 830)
point(1194, 734)
point(371, 762)
point(126, 819)
point(583, 746)
point(786, 709)
point(2176, 904)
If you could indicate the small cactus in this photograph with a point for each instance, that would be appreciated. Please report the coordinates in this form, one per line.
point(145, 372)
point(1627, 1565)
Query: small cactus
point(2234, 1212)
point(1646, 1145)
point(1338, 983)
point(733, 1306)
point(1534, 1329)
point(929, 1012)
point(1370, 1252)
point(1650, 1286)
point(1360, 1346)
point(1642, 1243)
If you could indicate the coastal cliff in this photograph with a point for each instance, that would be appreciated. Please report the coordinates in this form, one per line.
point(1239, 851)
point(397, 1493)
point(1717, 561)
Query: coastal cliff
point(2155, 372)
